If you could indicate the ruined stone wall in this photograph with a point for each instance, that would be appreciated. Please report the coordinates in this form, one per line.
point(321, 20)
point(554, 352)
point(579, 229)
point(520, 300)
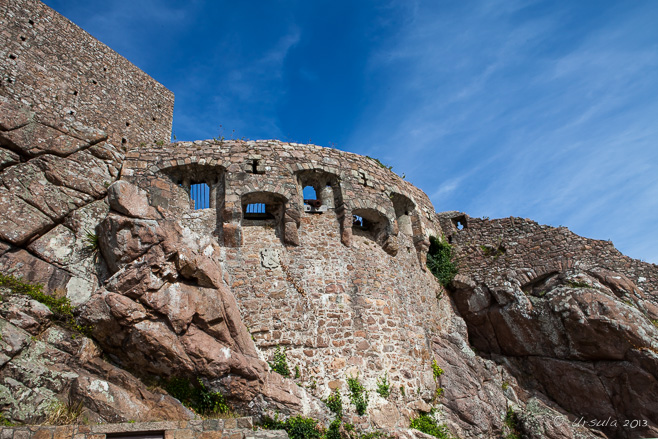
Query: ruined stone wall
point(523, 250)
point(60, 71)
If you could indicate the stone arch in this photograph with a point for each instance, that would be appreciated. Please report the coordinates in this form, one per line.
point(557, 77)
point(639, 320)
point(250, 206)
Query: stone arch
point(376, 226)
point(405, 211)
point(410, 223)
point(277, 212)
point(184, 176)
point(326, 185)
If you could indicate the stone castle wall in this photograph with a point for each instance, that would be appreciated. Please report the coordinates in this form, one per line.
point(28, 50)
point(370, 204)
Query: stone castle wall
point(344, 301)
point(62, 72)
point(525, 251)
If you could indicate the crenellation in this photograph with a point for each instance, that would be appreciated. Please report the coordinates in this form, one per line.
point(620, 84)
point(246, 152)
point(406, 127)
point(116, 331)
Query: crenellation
point(273, 171)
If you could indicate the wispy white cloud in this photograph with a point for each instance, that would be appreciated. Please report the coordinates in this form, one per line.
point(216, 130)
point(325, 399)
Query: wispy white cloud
point(504, 117)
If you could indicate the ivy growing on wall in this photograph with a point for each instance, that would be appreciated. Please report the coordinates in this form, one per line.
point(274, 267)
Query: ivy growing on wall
point(440, 261)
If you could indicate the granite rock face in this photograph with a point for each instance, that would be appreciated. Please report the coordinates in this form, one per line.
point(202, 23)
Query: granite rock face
point(575, 328)
point(41, 363)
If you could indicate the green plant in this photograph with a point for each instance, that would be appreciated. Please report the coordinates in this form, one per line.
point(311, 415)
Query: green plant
point(333, 432)
point(280, 363)
point(298, 373)
point(402, 390)
point(425, 422)
point(439, 261)
point(439, 392)
point(655, 323)
point(196, 396)
point(489, 250)
point(91, 241)
point(383, 386)
point(59, 413)
point(578, 284)
point(60, 306)
point(390, 168)
point(335, 403)
point(358, 395)
point(160, 142)
point(511, 422)
point(505, 385)
point(436, 370)
point(297, 427)
point(4, 422)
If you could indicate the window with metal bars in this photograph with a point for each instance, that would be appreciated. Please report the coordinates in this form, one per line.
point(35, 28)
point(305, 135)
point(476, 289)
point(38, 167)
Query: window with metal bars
point(257, 211)
point(200, 194)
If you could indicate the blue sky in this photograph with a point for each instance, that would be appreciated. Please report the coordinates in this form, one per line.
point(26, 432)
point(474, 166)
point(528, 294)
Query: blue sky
point(540, 109)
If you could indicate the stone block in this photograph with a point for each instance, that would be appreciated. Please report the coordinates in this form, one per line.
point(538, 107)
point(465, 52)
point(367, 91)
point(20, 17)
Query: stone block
point(35, 139)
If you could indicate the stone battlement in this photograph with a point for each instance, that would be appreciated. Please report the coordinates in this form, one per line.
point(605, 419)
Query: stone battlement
point(274, 174)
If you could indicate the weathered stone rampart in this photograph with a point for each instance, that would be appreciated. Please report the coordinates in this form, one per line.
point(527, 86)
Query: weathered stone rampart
point(521, 250)
point(274, 173)
point(344, 299)
point(63, 73)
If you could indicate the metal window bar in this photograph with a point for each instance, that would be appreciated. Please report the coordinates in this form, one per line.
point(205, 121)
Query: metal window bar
point(200, 194)
point(256, 208)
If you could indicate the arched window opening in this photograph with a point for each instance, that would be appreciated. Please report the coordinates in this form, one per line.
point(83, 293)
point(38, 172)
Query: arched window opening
point(319, 189)
point(200, 195)
point(375, 226)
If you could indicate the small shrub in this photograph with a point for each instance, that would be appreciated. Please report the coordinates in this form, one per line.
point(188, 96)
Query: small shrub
point(358, 395)
point(297, 427)
point(436, 370)
point(280, 363)
point(383, 386)
point(426, 423)
point(439, 261)
point(511, 422)
point(59, 413)
point(335, 403)
point(655, 323)
point(505, 385)
point(381, 165)
point(402, 390)
point(333, 432)
point(197, 397)
point(60, 306)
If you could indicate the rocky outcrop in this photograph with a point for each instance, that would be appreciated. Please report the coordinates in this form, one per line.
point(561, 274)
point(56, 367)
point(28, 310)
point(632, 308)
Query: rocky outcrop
point(166, 310)
point(54, 176)
point(42, 363)
point(564, 321)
